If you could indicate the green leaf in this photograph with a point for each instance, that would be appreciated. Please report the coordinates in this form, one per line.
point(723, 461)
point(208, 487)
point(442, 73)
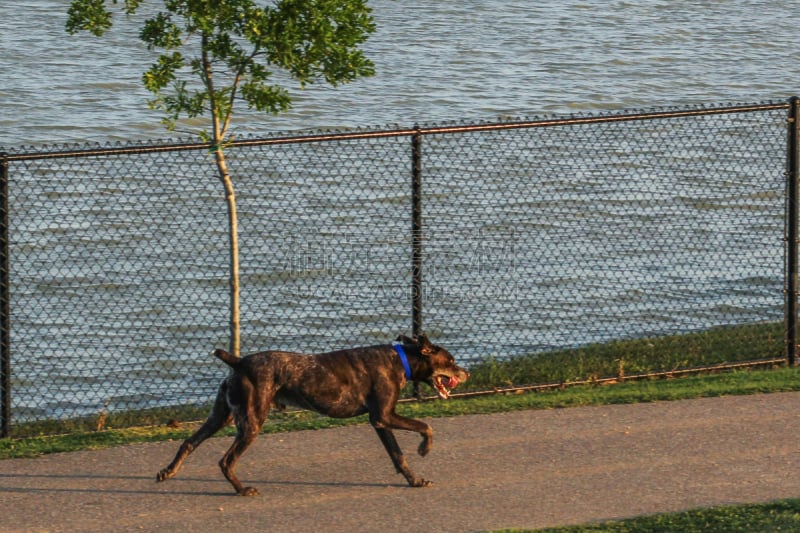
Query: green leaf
point(88, 15)
point(161, 32)
point(162, 73)
point(266, 98)
point(92, 15)
point(319, 39)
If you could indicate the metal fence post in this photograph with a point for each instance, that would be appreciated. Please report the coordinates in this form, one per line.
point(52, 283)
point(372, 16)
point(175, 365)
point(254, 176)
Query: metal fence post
point(792, 209)
point(416, 233)
point(5, 307)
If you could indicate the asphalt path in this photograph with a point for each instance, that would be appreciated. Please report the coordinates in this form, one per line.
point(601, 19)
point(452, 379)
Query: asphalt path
point(525, 469)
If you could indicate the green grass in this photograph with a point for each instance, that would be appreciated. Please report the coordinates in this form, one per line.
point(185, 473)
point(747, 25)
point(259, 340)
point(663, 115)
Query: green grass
point(626, 357)
point(762, 518)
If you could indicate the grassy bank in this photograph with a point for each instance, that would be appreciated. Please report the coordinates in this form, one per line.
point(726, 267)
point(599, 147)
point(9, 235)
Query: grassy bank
point(620, 358)
point(776, 516)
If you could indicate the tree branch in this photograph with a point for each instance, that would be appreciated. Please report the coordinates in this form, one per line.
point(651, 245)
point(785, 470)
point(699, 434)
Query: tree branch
point(208, 79)
point(235, 85)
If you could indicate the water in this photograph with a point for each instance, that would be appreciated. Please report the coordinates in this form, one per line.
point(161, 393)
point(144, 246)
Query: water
point(435, 60)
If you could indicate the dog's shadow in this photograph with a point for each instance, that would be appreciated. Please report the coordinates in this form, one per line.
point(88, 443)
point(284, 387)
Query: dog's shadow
point(84, 484)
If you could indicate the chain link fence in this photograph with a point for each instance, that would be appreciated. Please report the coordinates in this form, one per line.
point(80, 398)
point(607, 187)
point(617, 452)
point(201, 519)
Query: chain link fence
point(533, 237)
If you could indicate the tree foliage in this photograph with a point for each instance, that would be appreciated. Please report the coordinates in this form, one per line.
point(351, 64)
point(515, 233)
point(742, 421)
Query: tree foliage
point(214, 53)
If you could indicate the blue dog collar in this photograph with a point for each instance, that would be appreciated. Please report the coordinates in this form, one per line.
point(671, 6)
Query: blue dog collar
point(402, 354)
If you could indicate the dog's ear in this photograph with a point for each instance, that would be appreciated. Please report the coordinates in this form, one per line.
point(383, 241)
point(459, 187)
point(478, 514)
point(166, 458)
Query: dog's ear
point(405, 340)
point(425, 346)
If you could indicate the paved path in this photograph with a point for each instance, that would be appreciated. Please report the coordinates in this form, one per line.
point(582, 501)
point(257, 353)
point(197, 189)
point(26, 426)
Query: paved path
point(526, 469)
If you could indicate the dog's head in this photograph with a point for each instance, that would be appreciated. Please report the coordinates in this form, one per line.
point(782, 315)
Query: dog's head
point(436, 366)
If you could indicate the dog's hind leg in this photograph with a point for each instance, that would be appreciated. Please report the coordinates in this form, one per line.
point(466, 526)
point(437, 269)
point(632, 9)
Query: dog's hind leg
point(220, 416)
point(249, 413)
point(247, 429)
point(396, 454)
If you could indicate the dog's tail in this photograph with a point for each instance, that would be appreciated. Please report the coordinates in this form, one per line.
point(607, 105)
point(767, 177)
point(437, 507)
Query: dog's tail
point(230, 360)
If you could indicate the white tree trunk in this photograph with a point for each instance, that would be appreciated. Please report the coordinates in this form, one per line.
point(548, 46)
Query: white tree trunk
point(233, 233)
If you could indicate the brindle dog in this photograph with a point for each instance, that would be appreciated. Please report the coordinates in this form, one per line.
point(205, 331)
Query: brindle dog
point(339, 384)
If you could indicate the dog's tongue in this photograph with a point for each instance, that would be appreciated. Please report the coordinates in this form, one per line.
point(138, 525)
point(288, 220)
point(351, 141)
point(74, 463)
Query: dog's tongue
point(452, 382)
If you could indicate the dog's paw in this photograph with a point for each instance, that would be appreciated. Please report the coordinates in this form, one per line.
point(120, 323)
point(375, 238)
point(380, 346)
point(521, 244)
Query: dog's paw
point(419, 482)
point(164, 475)
point(249, 491)
point(424, 447)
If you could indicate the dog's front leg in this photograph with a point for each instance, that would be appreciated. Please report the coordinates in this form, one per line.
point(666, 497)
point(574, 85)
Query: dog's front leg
point(396, 421)
point(396, 454)
point(427, 441)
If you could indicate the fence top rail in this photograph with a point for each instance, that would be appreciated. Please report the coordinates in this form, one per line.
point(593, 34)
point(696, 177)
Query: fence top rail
point(416, 130)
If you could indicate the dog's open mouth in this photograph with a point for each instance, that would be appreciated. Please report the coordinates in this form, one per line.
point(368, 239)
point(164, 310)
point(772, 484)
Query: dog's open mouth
point(444, 384)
